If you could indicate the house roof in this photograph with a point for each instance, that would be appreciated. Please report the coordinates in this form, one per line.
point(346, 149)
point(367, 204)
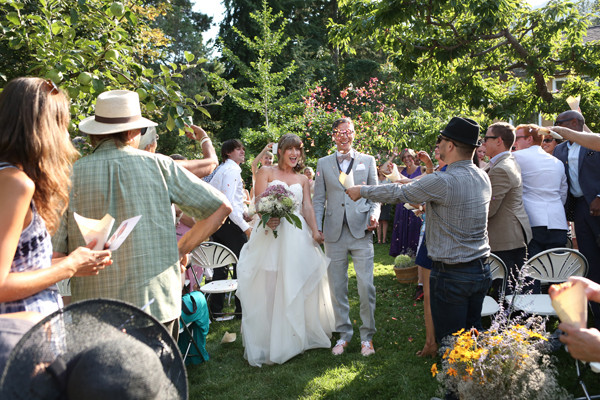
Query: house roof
point(593, 33)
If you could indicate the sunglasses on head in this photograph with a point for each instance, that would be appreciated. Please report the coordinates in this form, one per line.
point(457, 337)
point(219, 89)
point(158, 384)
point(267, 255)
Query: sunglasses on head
point(52, 88)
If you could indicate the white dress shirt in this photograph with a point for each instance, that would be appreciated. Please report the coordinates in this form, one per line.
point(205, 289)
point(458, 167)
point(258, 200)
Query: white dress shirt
point(545, 187)
point(228, 180)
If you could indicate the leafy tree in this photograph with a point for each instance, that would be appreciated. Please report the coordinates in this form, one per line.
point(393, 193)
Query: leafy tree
point(88, 47)
point(263, 93)
point(497, 56)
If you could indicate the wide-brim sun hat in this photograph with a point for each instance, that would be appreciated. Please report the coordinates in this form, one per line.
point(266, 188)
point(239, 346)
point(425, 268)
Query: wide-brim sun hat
point(96, 349)
point(116, 111)
point(463, 130)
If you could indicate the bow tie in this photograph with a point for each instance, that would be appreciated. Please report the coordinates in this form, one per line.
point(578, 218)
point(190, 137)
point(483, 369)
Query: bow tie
point(342, 157)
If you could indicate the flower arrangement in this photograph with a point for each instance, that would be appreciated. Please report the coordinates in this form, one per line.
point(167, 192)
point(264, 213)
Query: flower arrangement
point(508, 358)
point(277, 202)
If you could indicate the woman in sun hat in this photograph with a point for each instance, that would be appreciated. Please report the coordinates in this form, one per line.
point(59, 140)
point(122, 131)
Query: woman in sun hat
point(35, 159)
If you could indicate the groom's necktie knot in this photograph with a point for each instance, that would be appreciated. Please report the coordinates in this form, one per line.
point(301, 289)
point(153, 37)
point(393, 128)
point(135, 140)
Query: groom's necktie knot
point(342, 157)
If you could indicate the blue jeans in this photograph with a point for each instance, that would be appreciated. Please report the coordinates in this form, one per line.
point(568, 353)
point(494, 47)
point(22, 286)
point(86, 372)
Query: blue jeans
point(457, 292)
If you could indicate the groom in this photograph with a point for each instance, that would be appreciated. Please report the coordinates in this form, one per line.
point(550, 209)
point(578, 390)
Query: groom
point(348, 229)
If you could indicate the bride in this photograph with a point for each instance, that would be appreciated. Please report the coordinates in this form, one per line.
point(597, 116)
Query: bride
point(282, 282)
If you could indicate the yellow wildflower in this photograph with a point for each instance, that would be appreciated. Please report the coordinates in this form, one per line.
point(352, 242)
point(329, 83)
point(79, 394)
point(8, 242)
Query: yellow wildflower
point(452, 372)
point(434, 370)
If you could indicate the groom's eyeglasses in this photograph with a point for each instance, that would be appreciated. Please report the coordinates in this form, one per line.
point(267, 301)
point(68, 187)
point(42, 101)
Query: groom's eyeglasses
point(347, 132)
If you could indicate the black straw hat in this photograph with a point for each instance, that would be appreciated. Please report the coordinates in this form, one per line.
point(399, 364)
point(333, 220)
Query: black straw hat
point(96, 349)
point(463, 130)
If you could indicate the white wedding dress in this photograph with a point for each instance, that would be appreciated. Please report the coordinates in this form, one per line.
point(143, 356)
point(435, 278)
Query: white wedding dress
point(284, 291)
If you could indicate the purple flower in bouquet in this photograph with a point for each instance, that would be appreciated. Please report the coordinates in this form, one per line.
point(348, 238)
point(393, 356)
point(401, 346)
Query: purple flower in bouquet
point(277, 202)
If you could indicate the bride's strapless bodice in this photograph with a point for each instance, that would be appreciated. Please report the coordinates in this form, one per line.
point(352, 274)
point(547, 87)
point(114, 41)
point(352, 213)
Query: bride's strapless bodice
point(295, 188)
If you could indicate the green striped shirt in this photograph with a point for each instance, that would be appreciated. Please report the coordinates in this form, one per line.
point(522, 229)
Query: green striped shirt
point(125, 182)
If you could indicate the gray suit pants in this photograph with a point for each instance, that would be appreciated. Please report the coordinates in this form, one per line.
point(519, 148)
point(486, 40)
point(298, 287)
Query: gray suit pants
point(362, 254)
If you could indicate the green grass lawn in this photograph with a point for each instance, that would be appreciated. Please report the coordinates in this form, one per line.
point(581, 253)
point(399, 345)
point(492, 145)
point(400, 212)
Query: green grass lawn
point(393, 372)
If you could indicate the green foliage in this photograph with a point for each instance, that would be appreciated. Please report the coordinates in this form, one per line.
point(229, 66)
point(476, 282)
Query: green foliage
point(403, 261)
point(262, 94)
point(71, 41)
point(495, 56)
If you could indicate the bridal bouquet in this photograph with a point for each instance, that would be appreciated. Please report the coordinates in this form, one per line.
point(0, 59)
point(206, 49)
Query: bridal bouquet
point(277, 202)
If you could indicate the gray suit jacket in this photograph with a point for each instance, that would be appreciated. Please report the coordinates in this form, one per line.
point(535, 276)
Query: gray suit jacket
point(330, 200)
point(508, 224)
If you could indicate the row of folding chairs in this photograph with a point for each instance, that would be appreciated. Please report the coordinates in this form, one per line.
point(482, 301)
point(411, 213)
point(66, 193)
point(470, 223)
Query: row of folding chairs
point(550, 266)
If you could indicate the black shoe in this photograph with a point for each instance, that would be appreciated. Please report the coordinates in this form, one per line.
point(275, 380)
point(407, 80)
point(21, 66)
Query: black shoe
point(419, 293)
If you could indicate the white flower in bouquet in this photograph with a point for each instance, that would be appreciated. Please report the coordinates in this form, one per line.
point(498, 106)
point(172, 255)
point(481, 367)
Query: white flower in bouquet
point(277, 202)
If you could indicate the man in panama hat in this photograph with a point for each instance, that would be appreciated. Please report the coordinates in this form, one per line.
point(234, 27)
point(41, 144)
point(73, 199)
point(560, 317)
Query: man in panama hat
point(457, 211)
point(119, 179)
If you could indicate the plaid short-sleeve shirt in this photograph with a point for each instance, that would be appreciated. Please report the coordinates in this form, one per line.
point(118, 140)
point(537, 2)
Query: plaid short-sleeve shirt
point(125, 182)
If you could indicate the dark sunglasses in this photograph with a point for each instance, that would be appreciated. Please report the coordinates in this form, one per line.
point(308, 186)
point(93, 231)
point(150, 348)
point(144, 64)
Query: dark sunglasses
point(53, 89)
point(485, 138)
point(549, 140)
point(143, 131)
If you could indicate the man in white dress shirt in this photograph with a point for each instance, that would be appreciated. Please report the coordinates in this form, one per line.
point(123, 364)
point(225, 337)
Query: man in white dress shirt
point(545, 190)
point(235, 231)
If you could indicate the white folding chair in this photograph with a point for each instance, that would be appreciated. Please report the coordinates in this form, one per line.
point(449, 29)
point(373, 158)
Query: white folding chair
point(498, 271)
point(549, 266)
point(211, 255)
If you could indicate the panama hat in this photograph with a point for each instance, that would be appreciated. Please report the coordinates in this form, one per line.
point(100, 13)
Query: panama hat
point(116, 111)
point(96, 350)
point(463, 130)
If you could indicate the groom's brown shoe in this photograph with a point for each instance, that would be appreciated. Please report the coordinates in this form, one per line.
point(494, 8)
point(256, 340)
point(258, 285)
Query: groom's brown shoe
point(339, 347)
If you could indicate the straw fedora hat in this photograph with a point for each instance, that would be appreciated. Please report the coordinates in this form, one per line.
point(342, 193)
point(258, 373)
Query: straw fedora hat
point(116, 111)
point(96, 349)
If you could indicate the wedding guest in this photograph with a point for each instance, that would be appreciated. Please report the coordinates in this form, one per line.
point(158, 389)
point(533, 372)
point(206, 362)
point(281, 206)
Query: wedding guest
point(481, 156)
point(425, 265)
point(265, 158)
point(581, 167)
point(457, 202)
point(205, 166)
point(406, 226)
point(348, 228)
point(35, 160)
point(310, 174)
point(282, 281)
point(384, 216)
point(545, 190)
point(235, 231)
point(147, 265)
point(549, 144)
point(508, 224)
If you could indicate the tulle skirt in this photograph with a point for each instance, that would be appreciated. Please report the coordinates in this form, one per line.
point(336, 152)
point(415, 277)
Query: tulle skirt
point(284, 291)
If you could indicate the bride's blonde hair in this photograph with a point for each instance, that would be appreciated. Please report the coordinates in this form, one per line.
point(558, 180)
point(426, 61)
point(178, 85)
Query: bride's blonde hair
point(291, 140)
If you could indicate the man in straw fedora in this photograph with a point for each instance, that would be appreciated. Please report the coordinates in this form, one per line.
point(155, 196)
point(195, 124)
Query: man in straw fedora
point(123, 181)
point(457, 212)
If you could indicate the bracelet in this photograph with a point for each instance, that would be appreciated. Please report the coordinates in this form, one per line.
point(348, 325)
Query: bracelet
point(206, 139)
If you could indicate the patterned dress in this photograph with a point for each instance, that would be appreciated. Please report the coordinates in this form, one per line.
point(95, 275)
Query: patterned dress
point(407, 226)
point(34, 251)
